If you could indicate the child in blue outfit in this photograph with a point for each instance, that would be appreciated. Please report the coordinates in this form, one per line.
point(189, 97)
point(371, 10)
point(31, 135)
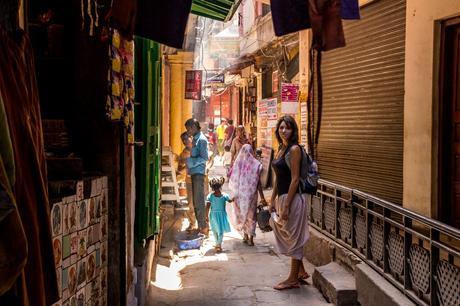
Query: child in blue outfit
point(218, 216)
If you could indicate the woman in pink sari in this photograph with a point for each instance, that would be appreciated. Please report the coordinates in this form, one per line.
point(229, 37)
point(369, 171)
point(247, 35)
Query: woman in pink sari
point(244, 185)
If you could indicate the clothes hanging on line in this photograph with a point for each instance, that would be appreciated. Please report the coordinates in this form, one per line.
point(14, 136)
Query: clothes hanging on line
point(120, 100)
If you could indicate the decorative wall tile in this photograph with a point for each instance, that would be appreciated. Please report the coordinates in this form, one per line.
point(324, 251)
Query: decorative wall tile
point(82, 214)
point(91, 266)
point(57, 250)
point(74, 240)
point(56, 219)
point(79, 225)
point(72, 210)
point(66, 246)
point(81, 272)
point(92, 210)
point(72, 280)
point(79, 191)
point(65, 219)
point(104, 200)
point(82, 238)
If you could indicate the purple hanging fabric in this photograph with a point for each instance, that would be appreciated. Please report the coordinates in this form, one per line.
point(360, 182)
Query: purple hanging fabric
point(289, 16)
point(350, 9)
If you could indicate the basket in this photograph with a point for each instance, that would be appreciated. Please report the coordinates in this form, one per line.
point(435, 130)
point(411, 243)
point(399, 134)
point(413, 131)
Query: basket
point(189, 241)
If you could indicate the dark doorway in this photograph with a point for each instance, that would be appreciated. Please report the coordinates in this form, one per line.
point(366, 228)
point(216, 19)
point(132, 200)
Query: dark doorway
point(449, 182)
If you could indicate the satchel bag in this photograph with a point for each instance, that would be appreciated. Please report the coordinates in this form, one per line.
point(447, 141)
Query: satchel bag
point(309, 175)
point(263, 219)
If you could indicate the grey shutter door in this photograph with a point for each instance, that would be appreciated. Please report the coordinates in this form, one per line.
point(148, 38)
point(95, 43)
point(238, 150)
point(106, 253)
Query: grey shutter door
point(361, 140)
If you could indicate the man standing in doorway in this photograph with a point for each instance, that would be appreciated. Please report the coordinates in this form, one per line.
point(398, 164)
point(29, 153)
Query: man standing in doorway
point(220, 130)
point(229, 133)
point(196, 165)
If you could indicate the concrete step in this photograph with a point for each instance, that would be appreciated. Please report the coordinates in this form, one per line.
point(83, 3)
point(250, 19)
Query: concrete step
point(336, 284)
point(374, 290)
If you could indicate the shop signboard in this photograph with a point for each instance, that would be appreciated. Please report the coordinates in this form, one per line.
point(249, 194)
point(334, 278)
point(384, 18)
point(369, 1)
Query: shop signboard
point(289, 98)
point(193, 82)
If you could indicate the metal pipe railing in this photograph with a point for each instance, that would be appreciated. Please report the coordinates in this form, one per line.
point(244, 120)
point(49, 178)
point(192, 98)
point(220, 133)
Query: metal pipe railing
point(418, 255)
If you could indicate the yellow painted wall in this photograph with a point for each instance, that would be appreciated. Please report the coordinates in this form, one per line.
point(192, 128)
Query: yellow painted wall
point(420, 80)
point(180, 109)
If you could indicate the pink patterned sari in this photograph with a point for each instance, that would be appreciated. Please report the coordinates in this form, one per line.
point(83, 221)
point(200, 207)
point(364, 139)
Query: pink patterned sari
point(243, 188)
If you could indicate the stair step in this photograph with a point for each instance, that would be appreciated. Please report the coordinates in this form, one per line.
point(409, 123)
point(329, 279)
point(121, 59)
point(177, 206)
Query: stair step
point(168, 184)
point(374, 289)
point(166, 169)
point(336, 284)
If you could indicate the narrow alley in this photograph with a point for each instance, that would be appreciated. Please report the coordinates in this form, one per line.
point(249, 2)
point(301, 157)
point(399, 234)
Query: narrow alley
point(240, 275)
point(340, 118)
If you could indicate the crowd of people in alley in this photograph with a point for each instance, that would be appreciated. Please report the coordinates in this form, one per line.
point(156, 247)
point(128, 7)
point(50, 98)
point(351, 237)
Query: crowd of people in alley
point(207, 202)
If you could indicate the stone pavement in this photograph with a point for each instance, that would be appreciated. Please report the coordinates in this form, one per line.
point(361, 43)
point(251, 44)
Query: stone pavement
point(240, 275)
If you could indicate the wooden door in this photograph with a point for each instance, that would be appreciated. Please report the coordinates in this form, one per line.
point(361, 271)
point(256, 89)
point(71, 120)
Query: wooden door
point(148, 120)
point(450, 123)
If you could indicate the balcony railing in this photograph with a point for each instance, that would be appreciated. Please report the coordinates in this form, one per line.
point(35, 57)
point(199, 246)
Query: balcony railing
point(418, 255)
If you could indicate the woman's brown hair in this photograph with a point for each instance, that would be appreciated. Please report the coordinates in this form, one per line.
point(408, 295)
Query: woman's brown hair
point(290, 122)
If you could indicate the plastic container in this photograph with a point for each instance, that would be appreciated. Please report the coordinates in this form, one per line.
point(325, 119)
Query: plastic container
point(189, 241)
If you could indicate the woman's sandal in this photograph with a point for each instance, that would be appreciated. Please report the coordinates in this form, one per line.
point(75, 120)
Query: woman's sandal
point(250, 243)
point(303, 278)
point(218, 249)
point(284, 286)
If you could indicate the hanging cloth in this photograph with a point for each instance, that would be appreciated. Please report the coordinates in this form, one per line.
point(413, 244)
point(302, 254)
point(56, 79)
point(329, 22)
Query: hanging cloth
point(326, 24)
point(120, 100)
point(350, 9)
point(289, 16)
point(163, 21)
point(122, 17)
point(19, 92)
point(13, 243)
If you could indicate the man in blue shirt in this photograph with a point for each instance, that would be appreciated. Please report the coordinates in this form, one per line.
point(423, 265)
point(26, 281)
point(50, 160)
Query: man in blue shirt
point(196, 166)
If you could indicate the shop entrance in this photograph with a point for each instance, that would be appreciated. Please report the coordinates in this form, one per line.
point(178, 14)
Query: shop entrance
point(449, 182)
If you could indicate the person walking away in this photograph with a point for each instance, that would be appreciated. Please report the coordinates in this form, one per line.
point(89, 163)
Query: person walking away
point(220, 130)
point(291, 228)
point(244, 185)
point(227, 160)
point(229, 133)
point(212, 139)
point(240, 140)
point(218, 218)
point(196, 165)
point(182, 169)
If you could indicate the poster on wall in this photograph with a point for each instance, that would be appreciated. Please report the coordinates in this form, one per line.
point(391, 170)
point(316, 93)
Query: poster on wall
point(275, 83)
point(289, 98)
point(303, 124)
point(193, 80)
point(272, 113)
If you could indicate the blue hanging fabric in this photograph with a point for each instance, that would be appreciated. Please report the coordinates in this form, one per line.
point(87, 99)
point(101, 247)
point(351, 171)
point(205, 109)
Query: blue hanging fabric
point(350, 9)
point(289, 16)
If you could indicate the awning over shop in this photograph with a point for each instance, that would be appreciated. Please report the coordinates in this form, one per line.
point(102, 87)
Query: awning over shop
point(222, 10)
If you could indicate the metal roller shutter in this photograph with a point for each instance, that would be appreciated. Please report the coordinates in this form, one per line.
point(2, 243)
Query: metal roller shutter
point(361, 140)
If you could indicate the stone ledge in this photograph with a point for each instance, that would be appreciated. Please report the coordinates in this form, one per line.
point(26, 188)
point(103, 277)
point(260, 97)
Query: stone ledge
point(321, 250)
point(374, 290)
point(336, 284)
